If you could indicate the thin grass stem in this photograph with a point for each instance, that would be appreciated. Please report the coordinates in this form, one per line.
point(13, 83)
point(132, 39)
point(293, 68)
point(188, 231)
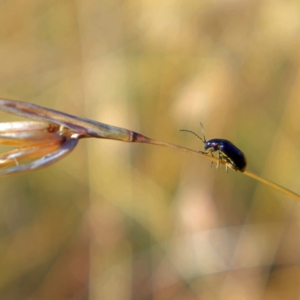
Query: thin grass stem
point(82, 128)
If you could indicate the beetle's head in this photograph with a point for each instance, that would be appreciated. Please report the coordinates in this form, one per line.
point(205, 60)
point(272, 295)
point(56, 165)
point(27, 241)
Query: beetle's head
point(211, 145)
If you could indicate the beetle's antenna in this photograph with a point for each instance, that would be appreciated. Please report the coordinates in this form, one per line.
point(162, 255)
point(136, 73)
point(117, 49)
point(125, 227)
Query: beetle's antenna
point(194, 134)
point(203, 132)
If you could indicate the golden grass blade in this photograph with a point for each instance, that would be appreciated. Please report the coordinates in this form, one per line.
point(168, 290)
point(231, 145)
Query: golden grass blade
point(16, 156)
point(22, 126)
point(28, 138)
point(51, 153)
point(83, 127)
point(273, 185)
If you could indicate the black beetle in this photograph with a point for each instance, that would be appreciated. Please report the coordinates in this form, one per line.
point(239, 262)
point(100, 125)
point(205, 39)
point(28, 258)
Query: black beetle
point(234, 157)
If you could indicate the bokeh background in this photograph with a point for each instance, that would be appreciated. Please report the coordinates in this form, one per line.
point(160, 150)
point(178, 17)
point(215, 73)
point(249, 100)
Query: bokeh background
point(126, 221)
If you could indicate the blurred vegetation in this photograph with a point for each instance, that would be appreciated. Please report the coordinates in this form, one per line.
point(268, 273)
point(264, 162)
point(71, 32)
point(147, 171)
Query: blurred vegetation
point(120, 221)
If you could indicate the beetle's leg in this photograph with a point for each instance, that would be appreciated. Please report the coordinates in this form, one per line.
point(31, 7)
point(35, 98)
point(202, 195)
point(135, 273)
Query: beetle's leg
point(207, 153)
point(211, 153)
point(229, 164)
point(220, 157)
point(203, 152)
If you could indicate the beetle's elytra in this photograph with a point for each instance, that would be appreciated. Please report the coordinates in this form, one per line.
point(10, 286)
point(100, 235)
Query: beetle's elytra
point(234, 157)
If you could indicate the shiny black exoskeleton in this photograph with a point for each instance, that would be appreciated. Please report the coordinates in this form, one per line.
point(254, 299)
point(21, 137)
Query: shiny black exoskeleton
point(234, 157)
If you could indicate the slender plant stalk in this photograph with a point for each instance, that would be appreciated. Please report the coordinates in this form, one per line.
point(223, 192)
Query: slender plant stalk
point(247, 173)
point(273, 185)
point(64, 131)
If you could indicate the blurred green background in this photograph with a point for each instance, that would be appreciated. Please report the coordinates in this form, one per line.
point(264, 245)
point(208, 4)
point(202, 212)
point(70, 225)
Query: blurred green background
point(127, 221)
